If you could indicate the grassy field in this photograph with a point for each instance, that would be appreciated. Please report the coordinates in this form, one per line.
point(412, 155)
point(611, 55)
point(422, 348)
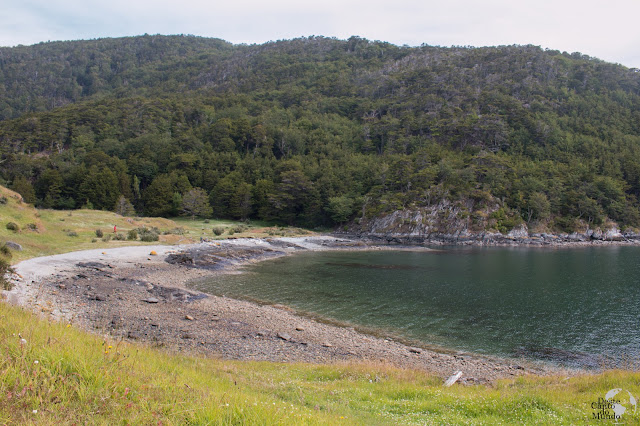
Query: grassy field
point(58, 374)
point(53, 373)
point(46, 232)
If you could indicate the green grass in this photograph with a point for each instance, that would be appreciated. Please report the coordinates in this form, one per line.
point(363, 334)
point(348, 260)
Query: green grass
point(54, 229)
point(81, 378)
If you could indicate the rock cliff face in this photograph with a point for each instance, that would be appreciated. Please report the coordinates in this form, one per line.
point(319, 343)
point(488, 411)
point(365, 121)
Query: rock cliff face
point(446, 223)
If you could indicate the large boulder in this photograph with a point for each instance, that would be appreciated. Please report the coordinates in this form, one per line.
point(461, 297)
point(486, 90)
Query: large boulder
point(519, 232)
point(613, 234)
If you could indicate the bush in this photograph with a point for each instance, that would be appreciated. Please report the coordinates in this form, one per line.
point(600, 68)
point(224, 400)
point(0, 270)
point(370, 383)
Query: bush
point(148, 235)
point(32, 227)
point(238, 229)
point(218, 230)
point(106, 238)
point(5, 268)
point(206, 221)
point(119, 237)
point(132, 235)
point(72, 234)
point(6, 252)
point(4, 200)
point(99, 233)
point(12, 226)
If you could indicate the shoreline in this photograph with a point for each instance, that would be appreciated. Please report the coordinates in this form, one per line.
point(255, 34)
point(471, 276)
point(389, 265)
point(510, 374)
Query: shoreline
point(543, 241)
point(128, 294)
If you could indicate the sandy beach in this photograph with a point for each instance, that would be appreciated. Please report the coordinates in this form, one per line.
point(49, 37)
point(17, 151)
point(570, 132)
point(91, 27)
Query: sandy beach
point(142, 294)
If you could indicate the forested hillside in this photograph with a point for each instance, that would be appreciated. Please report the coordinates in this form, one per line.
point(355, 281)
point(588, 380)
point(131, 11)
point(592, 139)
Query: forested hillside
point(321, 132)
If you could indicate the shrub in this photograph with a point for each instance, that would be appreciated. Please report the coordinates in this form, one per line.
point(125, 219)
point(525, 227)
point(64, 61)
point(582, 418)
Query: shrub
point(119, 237)
point(12, 226)
point(72, 234)
point(99, 233)
point(32, 227)
point(238, 229)
point(5, 268)
point(132, 235)
point(218, 230)
point(148, 235)
point(106, 238)
point(4, 200)
point(6, 251)
point(206, 221)
point(94, 240)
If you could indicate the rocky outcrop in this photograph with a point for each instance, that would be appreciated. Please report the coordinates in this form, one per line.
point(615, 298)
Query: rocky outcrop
point(447, 223)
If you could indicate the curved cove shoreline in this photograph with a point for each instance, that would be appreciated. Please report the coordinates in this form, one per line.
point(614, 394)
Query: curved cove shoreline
point(128, 294)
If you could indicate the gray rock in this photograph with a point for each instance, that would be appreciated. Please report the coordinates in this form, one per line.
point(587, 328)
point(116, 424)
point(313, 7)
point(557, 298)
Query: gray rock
point(98, 297)
point(133, 335)
point(151, 300)
point(299, 328)
point(284, 336)
point(13, 246)
point(613, 234)
point(577, 237)
point(415, 350)
point(519, 232)
point(327, 345)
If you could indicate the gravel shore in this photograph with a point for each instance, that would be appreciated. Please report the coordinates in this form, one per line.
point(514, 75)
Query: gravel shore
point(141, 294)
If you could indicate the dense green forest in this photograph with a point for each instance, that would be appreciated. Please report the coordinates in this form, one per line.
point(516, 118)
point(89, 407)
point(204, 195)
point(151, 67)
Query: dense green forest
point(318, 131)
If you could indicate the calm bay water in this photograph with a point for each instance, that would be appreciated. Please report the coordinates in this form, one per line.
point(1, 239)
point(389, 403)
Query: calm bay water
point(568, 305)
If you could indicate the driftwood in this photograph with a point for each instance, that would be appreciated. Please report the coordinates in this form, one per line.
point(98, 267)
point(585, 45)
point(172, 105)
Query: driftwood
point(451, 380)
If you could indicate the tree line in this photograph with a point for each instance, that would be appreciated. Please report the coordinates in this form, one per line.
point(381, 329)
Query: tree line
point(319, 131)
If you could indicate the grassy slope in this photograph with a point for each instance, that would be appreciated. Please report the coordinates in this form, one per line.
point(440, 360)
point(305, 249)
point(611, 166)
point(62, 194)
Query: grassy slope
point(80, 378)
point(53, 227)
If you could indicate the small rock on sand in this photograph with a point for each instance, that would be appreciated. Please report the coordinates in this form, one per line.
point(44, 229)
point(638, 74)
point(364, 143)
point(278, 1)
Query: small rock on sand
point(151, 300)
point(284, 336)
point(189, 317)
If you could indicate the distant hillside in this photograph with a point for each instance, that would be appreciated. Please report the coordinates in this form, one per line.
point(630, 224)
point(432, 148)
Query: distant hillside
point(321, 132)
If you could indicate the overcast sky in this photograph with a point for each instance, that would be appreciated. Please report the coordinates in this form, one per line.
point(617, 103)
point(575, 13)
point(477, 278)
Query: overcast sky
point(607, 29)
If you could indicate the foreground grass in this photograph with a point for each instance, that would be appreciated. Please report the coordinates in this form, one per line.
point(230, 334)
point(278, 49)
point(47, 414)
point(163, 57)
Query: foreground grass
point(59, 374)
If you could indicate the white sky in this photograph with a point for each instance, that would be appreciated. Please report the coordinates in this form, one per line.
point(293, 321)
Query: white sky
point(606, 29)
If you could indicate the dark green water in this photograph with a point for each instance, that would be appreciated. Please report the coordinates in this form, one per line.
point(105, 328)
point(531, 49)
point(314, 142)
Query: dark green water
point(571, 306)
